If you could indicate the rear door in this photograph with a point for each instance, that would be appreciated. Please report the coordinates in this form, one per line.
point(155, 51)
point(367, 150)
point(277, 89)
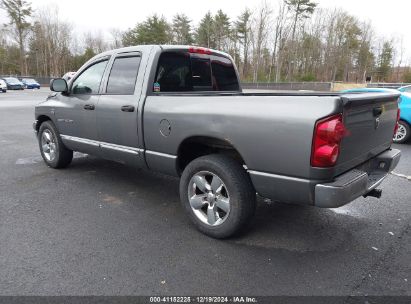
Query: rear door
point(370, 121)
point(117, 111)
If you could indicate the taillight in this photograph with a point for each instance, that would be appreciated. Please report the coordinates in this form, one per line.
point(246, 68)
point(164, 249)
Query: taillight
point(328, 134)
point(398, 120)
point(199, 50)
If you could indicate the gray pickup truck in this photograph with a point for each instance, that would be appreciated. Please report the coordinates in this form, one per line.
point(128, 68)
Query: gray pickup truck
point(181, 111)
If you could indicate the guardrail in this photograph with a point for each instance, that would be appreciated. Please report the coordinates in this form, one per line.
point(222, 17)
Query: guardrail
point(289, 86)
point(387, 85)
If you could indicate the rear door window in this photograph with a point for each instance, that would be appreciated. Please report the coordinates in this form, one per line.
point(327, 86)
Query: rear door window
point(123, 75)
point(185, 72)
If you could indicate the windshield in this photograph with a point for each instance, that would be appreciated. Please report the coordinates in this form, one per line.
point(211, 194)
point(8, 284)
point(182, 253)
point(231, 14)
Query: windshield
point(405, 89)
point(11, 79)
point(29, 81)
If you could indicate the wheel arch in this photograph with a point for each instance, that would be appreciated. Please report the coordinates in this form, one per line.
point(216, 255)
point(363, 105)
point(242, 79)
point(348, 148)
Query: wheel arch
point(406, 121)
point(197, 146)
point(40, 120)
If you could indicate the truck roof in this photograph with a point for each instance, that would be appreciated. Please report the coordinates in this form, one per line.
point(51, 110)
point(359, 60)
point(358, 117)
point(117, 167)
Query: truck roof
point(166, 47)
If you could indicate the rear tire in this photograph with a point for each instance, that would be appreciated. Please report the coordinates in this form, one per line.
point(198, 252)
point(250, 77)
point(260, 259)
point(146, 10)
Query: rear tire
point(52, 149)
point(403, 133)
point(218, 195)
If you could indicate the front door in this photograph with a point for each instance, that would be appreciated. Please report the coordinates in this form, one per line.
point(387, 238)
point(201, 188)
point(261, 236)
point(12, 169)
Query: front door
point(76, 118)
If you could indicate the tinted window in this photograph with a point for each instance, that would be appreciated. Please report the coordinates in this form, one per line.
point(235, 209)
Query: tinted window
point(173, 73)
point(89, 81)
point(123, 76)
point(201, 74)
point(182, 71)
point(225, 77)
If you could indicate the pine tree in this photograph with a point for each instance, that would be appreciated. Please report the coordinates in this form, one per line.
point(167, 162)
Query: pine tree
point(154, 30)
point(205, 32)
point(301, 9)
point(221, 30)
point(385, 60)
point(182, 29)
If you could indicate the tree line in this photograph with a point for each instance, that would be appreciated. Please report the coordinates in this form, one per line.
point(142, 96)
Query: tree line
point(290, 40)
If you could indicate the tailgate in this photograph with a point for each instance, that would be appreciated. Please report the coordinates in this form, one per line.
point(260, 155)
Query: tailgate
point(370, 120)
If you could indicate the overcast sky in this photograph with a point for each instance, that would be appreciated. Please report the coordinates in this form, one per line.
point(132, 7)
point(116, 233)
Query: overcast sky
point(390, 18)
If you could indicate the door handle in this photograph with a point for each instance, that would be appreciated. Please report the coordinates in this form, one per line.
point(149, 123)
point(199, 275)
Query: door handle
point(377, 111)
point(89, 107)
point(127, 108)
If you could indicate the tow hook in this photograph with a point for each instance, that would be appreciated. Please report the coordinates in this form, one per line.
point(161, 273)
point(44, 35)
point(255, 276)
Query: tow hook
point(374, 193)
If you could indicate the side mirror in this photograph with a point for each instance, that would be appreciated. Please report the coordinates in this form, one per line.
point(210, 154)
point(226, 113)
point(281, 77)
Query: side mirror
point(58, 85)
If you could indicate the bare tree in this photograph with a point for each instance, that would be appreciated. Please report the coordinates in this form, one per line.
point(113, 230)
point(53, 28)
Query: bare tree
point(243, 32)
point(261, 23)
point(281, 30)
point(50, 43)
point(301, 9)
point(117, 38)
point(292, 40)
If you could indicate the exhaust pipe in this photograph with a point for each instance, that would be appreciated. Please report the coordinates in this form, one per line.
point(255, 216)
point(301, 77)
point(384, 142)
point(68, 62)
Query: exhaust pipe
point(374, 193)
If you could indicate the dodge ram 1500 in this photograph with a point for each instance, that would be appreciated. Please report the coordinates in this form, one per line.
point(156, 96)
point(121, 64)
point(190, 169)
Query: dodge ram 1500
point(181, 111)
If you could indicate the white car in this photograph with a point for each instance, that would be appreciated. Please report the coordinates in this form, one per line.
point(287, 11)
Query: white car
point(3, 86)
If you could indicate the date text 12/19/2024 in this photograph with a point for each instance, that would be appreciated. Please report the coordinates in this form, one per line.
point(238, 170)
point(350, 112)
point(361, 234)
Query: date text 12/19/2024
point(240, 299)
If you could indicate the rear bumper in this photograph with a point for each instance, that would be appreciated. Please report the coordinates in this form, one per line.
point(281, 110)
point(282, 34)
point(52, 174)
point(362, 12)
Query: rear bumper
point(357, 182)
point(344, 189)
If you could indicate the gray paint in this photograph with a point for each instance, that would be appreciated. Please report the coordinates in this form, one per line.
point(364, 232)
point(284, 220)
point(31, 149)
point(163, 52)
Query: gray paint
point(272, 132)
point(255, 125)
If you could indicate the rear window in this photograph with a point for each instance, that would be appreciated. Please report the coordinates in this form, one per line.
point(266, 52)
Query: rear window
point(185, 72)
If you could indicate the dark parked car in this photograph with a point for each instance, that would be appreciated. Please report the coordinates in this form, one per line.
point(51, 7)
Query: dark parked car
point(30, 83)
point(13, 83)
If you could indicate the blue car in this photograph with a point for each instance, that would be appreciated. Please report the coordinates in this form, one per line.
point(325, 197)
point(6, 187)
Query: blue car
point(30, 83)
point(406, 89)
point(13, 83)
point(404, 129)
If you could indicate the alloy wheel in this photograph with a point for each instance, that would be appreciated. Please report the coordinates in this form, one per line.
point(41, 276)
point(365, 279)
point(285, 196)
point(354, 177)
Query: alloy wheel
point(209, 198)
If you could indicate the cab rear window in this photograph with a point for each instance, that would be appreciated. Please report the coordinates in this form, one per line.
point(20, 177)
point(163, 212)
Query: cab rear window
point(186, 72)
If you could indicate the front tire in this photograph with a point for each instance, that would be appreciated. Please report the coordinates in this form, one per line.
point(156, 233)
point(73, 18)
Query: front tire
point(218, 195)
point(403, 133)
point(52, 149)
